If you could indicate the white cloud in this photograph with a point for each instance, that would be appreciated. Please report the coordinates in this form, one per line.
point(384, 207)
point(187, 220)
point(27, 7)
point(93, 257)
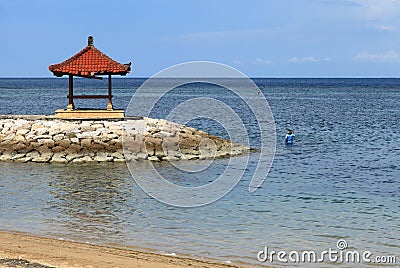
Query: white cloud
point(238, 62)
point(386, 28)
point(388, 56)
point(229, 34)
point(310, 59)
point(202, 36)
point(379, 9)
point(370, 10)
point(303, 60)
point(346, 3)
point(262, 61)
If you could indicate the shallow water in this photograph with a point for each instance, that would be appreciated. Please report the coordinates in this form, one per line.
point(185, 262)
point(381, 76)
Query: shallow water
point(341, 179)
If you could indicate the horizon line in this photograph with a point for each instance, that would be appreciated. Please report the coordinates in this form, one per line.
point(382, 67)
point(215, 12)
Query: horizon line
point(251, 77)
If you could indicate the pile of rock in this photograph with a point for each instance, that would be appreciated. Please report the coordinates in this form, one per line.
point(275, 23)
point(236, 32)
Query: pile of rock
point(79, 141)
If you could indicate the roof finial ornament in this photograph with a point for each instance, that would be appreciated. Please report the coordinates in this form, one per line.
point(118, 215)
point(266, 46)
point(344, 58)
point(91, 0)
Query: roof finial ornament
point(90, 41)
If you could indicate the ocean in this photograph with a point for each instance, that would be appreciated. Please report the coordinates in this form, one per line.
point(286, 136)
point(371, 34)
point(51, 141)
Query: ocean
point(340, 179)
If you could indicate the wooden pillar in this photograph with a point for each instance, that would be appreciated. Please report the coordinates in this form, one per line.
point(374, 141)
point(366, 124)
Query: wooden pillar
point(70, 106)
point(109, 105)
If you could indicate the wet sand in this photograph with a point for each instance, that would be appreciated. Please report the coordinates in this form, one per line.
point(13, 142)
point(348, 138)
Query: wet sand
point(22, 250)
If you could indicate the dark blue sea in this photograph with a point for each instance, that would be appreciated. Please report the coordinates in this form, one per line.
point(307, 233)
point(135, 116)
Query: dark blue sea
point(340, 179)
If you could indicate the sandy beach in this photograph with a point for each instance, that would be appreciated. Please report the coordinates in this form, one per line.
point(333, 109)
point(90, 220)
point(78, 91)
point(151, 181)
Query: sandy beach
point(22, 250)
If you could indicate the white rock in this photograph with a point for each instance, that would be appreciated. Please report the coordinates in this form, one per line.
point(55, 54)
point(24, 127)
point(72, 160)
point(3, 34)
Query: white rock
point(19, 139)
point(42, 131)
point(10, 137)
point(59, 158)
point(87, 159)
point(96, 126)
point(167, 134)
point(44, 158)
point(4, 130)
point(58, 137)
point(103, 157)
point(33, 154)
point(71, 157)
point(117, 155)
point(20, 122)
point(154, 158)
point(49, 124)
point(112, 136)
point(189, 157)
point(5, 157)
point(17, 156)
point(24, 159)
point(89, 134)
point(43, 137)
point(22, 131)
point(170, 158)
point(48, 142)
point(75, 140)
point(87, 123)
point(69, 127)
point(36, 126)
point(115, 127)
point(78, 161)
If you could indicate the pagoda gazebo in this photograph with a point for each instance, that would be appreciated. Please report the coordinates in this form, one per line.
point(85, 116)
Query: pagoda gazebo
point(89, 63)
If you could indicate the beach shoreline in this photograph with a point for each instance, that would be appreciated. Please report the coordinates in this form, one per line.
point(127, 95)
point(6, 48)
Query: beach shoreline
point(62, 253)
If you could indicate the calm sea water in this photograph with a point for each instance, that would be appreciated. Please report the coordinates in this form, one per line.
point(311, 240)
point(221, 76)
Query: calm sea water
point(341, 179)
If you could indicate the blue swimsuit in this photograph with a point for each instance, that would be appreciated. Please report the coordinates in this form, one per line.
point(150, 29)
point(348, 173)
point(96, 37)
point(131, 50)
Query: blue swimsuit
point(289, 138)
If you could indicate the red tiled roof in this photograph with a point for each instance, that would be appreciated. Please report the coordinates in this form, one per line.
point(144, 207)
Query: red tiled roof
point(89, 62)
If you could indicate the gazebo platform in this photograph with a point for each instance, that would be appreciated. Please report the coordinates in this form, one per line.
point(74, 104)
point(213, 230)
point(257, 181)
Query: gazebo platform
point(93, 64)
point(90, 114)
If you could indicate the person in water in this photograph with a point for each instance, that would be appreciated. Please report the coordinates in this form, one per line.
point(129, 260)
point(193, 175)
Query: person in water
point(289, 138)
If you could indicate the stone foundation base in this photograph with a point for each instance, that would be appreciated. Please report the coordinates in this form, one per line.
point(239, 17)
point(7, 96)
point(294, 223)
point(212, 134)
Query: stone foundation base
point(44, 140)
point(90, 114)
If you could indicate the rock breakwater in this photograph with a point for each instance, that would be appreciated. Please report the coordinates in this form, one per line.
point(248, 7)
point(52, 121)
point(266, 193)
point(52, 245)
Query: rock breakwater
point(46, 140)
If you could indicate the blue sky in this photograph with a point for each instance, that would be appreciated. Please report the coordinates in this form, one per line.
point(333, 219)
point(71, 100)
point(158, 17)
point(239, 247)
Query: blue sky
point(269, 38)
